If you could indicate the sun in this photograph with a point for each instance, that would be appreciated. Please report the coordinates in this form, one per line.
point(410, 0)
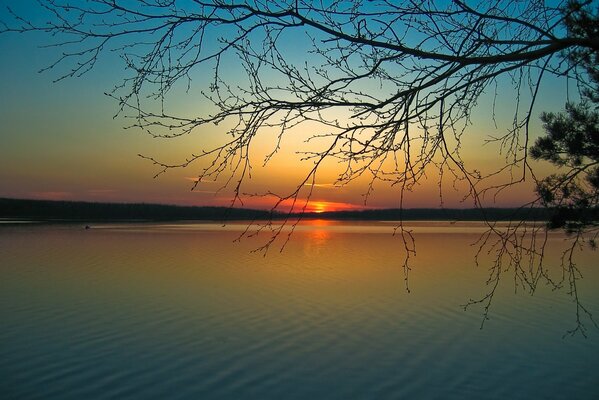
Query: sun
point(319, 207)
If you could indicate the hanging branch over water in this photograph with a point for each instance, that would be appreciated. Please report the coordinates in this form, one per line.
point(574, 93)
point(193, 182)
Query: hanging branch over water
point(387, 88)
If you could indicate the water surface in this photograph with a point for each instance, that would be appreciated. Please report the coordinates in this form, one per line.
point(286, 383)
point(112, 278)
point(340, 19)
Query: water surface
point(180, 311)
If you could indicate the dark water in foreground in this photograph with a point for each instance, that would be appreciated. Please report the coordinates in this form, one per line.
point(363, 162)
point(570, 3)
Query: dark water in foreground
point(181, 312)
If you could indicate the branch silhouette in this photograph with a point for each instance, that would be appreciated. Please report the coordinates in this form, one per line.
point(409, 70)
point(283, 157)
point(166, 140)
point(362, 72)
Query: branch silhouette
point(388, 88)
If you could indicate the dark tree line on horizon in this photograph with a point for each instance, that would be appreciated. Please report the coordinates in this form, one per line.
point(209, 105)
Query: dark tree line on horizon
point(82, 211)
point(69, 211)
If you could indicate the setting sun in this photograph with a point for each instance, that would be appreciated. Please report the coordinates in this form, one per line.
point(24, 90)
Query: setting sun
point(319, 207)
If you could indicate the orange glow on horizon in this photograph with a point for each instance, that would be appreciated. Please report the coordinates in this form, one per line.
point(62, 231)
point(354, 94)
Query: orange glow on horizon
point(299, 205)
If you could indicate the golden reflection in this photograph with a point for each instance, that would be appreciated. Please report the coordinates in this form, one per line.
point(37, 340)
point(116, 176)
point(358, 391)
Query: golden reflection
point(318, 234)
point(320, 222)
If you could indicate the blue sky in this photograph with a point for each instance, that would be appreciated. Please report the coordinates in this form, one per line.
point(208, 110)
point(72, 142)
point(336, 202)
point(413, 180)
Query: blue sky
point(60, 140)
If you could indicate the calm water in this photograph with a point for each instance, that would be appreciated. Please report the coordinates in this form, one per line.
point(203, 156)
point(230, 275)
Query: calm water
point(181, 312)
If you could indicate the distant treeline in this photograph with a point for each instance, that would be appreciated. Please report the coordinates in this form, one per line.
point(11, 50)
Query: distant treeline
point(439, 214)
point(48, 210)
point(88, 211)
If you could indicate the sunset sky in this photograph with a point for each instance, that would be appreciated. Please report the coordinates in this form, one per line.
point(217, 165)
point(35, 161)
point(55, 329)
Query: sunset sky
point(60, 141)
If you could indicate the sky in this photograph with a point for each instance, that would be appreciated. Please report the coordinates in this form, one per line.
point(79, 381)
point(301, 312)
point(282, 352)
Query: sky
point(60, 140)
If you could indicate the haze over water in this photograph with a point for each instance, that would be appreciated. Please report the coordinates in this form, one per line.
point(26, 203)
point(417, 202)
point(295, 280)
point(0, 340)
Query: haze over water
point(179, 311)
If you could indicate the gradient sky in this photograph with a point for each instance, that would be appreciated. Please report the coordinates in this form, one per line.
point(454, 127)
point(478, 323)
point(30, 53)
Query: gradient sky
point(60, 141)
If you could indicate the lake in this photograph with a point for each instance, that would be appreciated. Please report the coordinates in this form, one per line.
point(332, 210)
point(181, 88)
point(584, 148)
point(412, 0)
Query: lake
point(181, 311)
